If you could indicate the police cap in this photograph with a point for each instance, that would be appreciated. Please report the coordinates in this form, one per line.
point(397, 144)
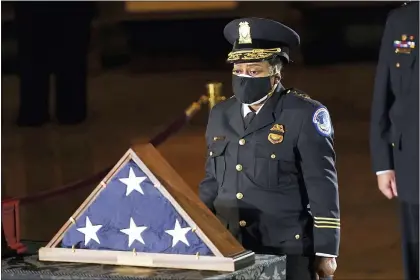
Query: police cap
point(259, 39)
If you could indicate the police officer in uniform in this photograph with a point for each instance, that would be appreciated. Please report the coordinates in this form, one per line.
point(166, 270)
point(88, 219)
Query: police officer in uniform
point(270, 172)
point(394, 135)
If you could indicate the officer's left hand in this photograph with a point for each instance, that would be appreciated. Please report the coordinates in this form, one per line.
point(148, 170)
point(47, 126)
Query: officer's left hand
point(325, 267)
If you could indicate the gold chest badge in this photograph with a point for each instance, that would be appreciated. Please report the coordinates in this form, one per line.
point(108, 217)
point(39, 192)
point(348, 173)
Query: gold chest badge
point(276, 134)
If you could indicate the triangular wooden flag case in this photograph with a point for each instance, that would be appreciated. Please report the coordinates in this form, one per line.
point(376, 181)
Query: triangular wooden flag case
point(225, 253)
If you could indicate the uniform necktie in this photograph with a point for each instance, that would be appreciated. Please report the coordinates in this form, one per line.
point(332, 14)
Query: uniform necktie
point(248, 118)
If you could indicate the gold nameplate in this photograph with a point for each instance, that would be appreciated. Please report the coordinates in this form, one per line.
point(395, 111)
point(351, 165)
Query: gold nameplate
point(217, 138)
point(275, 138)
point(403, 50)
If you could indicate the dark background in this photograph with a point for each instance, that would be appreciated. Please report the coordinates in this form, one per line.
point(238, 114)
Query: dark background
point(332, 32)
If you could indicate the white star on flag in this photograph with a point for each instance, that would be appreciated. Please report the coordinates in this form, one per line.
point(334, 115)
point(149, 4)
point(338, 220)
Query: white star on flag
point(178, 234)
point(133, 182)
point(134, 232)
point(90, 231)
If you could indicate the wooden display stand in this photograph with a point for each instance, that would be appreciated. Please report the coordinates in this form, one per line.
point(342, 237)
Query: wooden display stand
point(228, 253)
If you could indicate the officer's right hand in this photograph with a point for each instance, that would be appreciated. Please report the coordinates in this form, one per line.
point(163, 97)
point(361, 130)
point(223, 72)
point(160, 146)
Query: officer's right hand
point(325, 268)
point(387, 184)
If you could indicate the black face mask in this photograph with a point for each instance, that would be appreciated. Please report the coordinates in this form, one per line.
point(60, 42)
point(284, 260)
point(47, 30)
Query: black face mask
point(249, 90)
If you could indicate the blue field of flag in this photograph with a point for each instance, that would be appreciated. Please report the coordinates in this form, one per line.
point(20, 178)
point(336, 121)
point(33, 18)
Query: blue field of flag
point(130, 213)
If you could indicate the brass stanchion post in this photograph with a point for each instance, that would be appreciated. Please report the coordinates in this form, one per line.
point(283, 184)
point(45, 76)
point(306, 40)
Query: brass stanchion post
point(214, 91)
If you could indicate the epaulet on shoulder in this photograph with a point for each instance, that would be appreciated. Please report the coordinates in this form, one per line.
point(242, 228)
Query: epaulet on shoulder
point(402, 7)
point(303, 97)
point(298, 93)
point(408, 3)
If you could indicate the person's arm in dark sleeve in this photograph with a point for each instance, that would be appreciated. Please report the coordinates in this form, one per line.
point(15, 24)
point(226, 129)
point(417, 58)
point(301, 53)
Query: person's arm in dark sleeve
point(317, 155)
point(380, 125)
point(208, 186)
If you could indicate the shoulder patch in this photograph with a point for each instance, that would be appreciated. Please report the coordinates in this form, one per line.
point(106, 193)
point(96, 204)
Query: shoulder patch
point(322, 121)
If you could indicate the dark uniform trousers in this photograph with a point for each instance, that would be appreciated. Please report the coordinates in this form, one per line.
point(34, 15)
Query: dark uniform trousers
point(53, 38)
point(395, 123)
point(260, 189)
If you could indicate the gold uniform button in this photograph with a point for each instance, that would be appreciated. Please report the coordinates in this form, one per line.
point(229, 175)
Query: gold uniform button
point(239, 167)
point(393, 145)
point(397, 50)
point(397, 65)
point(242, 142)
point(239, 195)
point(211, 153)
point(242, 223)
point(273, 156)
point(297, 236)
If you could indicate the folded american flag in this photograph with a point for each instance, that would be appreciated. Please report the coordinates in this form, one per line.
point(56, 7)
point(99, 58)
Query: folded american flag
point(132, 214)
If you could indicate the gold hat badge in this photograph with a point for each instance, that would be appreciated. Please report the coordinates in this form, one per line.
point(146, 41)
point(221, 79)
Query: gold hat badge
point(244, 33)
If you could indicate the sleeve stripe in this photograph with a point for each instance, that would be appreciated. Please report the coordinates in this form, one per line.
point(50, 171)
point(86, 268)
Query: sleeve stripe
point(325, 255)
point(326, 219)
point(334, 227)
point(327, 223)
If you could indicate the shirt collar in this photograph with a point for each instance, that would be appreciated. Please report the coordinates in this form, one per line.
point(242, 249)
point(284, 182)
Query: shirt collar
point(246, 109)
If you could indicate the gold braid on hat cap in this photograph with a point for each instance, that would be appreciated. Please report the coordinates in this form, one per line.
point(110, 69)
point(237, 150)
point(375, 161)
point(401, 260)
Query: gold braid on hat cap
point(254, 54)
